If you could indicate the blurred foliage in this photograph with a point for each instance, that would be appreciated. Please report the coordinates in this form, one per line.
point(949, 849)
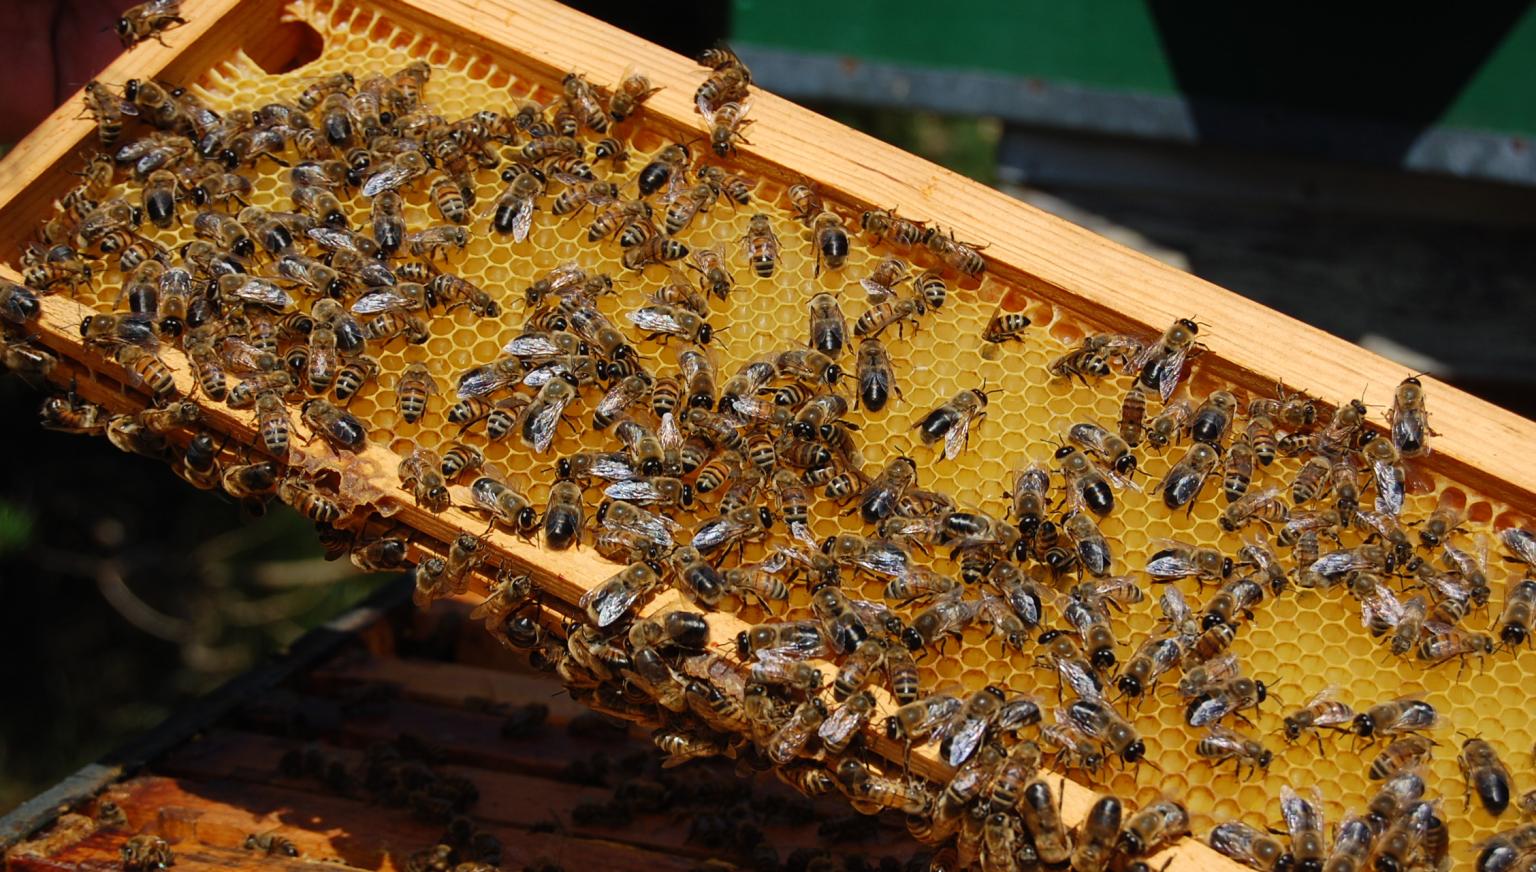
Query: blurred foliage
point(124, 593)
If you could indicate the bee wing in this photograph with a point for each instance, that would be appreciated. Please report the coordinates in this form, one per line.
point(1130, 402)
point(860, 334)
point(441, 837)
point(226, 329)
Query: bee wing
point(954, 440)
point(1211, 709)
point(885, 559)
point(839, 726)
point(966, 739)
point(655, 319)
point(1381, 608)
point(610, 604)
point(669, 433)
point(1120, 588)
point(1169, 371)
point(877, 292)
point(482, 381)
point(1224, 738)
point(752, 408)
point(538, 426)
point(383, 300)
point(633, 490)
point(1300, 815)
point(714, 533)
point(618, 398)
point(542, 374)
point(1169, 567)
point(531, 345)
point(1174, 607)
point(1083, 683)
point(264, 292)
point(1389, 488)
point(1335, 563)
point(387, 179)
point(705, 109)
point(522, 220)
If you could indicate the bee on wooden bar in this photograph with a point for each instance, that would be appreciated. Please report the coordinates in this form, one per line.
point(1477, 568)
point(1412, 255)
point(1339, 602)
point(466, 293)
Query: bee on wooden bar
point(725, 124)
point(1161, 365)
point(421, 473)
point(1408, 420)
point(338, 428)
point(143, 853)
point(144, 22)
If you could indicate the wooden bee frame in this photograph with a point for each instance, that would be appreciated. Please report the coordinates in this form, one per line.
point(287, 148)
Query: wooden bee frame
point(1100, 281)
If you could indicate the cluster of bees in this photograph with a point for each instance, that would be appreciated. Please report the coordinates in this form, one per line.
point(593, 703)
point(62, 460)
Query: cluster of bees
point(280, 308)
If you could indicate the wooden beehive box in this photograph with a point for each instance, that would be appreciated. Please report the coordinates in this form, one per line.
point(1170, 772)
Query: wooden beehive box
point(286, 749)
point(1067, 280)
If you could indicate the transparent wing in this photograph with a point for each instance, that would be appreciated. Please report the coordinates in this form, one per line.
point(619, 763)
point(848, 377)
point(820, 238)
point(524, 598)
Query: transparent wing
point(522, 220)
point(539, 428)
point(384, 300)
point(954, 440)
point(655, 320)
point(263, 292)
point(633, 490)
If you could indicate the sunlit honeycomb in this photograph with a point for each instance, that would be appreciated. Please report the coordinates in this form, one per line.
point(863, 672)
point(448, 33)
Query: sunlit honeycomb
point(1298, 643)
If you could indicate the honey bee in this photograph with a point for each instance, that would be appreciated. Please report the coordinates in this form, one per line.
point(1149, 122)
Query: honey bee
point(1407, 419)
point(70, 414)
point(1161, 365)
point(137, 24)
point(107, 110)
point(1005, 326)
point(725, 124)
point(946, 617)
point(461, 459)
point(877, 318)
point(1092, 548)
point(1041, 812)
point(145, 852)
point(354, 373)
point(953, 421)
point(878, 501)
point(671, 162)
point(98, 226)
point(958, 256)
point(1237, 469)
point(1485, 775)
point(149, 371)
point(1404, 714)
point(251, 483)
point(633, 90)
point(1390, 477)
point(160, 193)
point(338, 428)
point(583, 99)
point(1184, 481)
point(1213, 418)
point(432, 241)
point(656, 250)
point(610, 601)
point(26, 361)
point(1249, 846)
point(884, 224)
point(1322, 711)
point(62, 265)
point(875, 374)
point(421, 473)
point(1399, 757)
point(413, 390)
point(1263, 506)
point(762, 246)
point(505, 505)
point(273, 423)
point(1514, 625)
point(309, 501)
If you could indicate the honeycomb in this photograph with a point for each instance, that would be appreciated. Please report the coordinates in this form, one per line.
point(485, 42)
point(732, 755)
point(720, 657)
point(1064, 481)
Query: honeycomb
point(1299, 642)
